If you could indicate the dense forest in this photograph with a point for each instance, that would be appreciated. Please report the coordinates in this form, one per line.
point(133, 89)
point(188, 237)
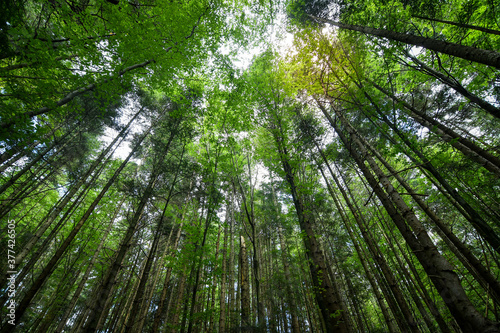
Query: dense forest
point(250, 166)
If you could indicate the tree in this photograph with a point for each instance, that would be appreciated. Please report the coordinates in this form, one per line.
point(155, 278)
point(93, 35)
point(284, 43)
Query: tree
point(154, 180)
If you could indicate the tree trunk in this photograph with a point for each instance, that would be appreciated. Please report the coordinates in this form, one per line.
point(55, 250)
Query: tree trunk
point(244, 286)
point(460, 25)
point(487, 280)
point(85, 277)
point(489, 58)
point(35, 160)
point(97, 314)
point(374, 250)
point(223, 286)
point(455, 85)
point(467, 147)
point(160, 310)
point(329, 305)
point(68, 98)
point(47, 221)
point(131, 325)
point(177, 307)
point(437, 267)
point(461, 204)
point(214, 285)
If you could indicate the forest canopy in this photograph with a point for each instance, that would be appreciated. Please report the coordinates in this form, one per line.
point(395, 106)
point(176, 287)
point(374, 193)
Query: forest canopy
point(250, 166)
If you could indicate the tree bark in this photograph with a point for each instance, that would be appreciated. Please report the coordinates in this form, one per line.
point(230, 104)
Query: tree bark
point(437, 267)
point(455, 85)
point(331, 309)
point(69, 97)
point(460, 25)
point(244, 286)
point(486, 57)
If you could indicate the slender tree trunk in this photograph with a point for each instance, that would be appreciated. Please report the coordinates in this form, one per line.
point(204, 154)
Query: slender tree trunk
point(233, 293)
point(69, 97)
point(467, 147)
point(459, 25)
point(12, 155)
point(360, 251)
point(286, 268)
point(214, 285)
point(455, 85)
point(374, 250)
point(244, 286)
point(410, 282)
point(43, 247)
point(47, 221)
point(97, 314)
point(417, 284)
point(63, 289)
point(35, 160)
point(223, 286)
point(177, 307)
point(160, 310)
point(488, 280)
point(85, 277)
point(131, 325)
point(455, 198)
point(487, 57)
point(250, 214)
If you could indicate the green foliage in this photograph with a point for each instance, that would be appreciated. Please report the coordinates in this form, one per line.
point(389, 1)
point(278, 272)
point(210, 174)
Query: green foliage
point(219, 151)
